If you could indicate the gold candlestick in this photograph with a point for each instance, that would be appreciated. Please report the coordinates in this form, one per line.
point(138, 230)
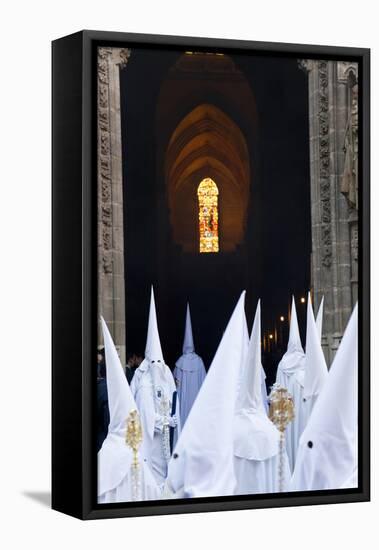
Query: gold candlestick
point(281, 413)
point(134, 434)
point(133, 439)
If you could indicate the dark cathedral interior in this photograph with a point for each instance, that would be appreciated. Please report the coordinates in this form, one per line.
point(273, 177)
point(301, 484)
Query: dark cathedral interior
point(241, 120)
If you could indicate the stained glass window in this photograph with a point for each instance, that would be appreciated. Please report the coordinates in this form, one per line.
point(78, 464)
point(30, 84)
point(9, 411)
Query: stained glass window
point(207, 193)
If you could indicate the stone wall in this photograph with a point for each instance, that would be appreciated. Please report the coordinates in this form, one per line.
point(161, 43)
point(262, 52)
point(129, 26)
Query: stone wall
point(334, 205)
point(111, 284)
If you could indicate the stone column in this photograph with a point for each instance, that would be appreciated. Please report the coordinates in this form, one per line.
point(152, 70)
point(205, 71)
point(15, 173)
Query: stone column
point(334, 219)
point(111, 283)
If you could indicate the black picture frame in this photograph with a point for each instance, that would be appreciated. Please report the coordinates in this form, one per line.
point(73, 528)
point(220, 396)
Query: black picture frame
point(74, 276)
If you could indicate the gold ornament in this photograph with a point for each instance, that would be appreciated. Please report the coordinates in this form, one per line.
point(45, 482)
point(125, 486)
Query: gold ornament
point(282, 410)
point(134, 434)
point(133, 439)
point(281, 413)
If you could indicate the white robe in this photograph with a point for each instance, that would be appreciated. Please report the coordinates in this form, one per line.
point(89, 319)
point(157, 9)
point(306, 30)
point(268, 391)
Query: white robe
point(189, 374)
point(290, 375)
point(352, 481)
point(256, 477)
point(114, 460)
point(115, 484)
point(256, 455)
point(153, 387)
point(264, 391)
point(315, 370)
point(328, 448)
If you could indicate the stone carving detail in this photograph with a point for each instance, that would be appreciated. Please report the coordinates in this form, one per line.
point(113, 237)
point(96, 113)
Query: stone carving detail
point(324, 174)
point(346, 69)
point(349, 185)
point(124, 57)
point(107, 264)
point(354, 243)
point(334, 221)
point(110, 223)
point(104, 160)
point(305, 65)
point(105, 57)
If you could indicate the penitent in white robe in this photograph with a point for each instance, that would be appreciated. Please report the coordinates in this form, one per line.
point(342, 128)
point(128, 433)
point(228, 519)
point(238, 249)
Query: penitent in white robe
point(189, 372)
point(315, 369)
point(256, 439)
point(303, 376)
point(114, 460)
point(290, 375)
point(328, 449)
point(202, 462)
point(153, 387)
point(256, 477)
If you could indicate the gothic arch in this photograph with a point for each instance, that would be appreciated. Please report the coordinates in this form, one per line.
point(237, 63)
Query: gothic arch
point(207, 143)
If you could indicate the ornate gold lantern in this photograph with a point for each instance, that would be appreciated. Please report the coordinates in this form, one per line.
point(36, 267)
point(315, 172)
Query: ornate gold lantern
point(133, 439)
point(281, 413)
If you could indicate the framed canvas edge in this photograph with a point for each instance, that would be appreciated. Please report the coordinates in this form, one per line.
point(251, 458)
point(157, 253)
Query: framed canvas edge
point(89, 509)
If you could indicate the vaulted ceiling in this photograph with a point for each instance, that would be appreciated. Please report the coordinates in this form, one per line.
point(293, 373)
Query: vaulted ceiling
point(207, 143)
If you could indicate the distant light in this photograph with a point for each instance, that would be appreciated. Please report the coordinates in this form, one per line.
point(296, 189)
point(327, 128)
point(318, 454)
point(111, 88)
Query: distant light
point(302, 300)
point(282, 318)
point(271, 336)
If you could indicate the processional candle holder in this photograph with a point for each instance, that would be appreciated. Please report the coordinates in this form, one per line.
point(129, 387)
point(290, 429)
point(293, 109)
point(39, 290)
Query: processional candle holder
point(281, 413)
point(165, 412)
point(133, 439)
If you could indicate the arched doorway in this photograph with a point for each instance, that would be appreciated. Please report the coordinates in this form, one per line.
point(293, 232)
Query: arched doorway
point(266, 100)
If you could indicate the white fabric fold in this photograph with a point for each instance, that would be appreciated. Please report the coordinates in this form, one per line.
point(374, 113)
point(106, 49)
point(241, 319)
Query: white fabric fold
point(256, 439)
point(315, 370)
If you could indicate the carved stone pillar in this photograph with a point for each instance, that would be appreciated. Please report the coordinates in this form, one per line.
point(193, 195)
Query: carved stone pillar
point(111, 283)
point(334, 220)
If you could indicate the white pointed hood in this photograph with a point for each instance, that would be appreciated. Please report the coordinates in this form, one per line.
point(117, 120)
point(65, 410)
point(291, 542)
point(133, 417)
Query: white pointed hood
point(293, 359)
point(153, 350)
point(114, 457)
point(316, 371)
point(252, 395)
point(255, 436)
point(263, 374)
point(246, 339)
point(327, 455)
point(319, 318)
point(245, 347)
point(202, 462)
point(120, 398)
point(188, 345)
point(294, 342)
